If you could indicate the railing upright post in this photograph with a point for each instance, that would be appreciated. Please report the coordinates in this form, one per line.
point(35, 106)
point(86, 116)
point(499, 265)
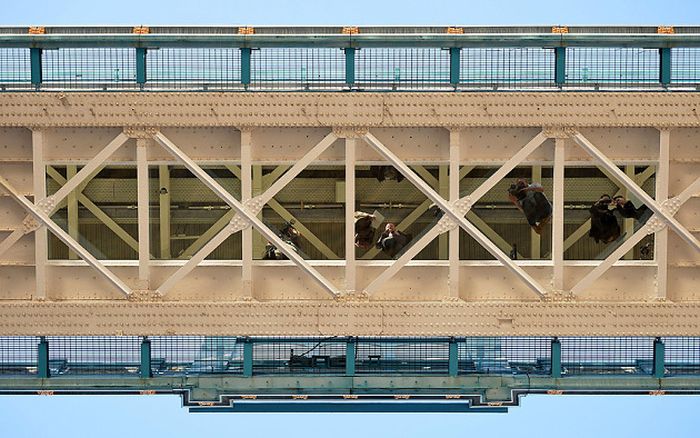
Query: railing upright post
point(245, 66)
point(145, 369)
point(350, 66)
point(247, 357)
point(665, 66)
point(555, 357)
point(659, 368)
point(35, 65)
point(141, 66)
point(453, 358)
point(455, 53)
point(42, 356)
point(350, 355)
point(559, 66)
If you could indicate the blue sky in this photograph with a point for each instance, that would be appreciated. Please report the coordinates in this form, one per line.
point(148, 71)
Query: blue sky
point(539, 416)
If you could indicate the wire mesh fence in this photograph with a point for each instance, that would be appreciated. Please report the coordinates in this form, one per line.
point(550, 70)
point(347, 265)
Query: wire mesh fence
point(299, 356)
point(682, 355)
point(15, 69)
point(499, 355)
point(607, 355)
point(402, 69)
point(99, 68)
point(94, 355)
point(604, 68)
point(197, 69)
point(404, 356)
point(18, 355)
point(685, 67)
point(183, 355)
point(507, 68)
point(297, 69)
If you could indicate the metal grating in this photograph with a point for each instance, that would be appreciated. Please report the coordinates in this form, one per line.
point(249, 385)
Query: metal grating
point(601, 68)
point(15, 69)
point(18, 355)
point(401, 356)
point(297, 69)
point(197, 69)
point(682, 355)
point(183, 355)
point(685, 66)
point(299, 356)
point(402, 69)
point(102, 69)
point(509, 68)
point(607, 355)
point(499, 355)
point(94, 355)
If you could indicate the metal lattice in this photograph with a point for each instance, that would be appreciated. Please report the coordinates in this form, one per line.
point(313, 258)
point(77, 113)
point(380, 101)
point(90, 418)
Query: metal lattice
point(685, 66)
point(299, 356)
point(15, 71)
point(511, 68)
point(297, 69)
point(600, 68)
point(102, 69)
point(199, 69)
point(18, 355)
point(401, 356)
point(94, 355)
point(682, 355)
point(402, 69)
point(498, 355)
point(182, 355)
point(607, 355)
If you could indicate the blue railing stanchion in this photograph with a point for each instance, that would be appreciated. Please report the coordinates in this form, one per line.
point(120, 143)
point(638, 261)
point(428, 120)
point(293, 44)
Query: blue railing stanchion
point(559, 66)
point(455, 53)
point(350, 355)
point(555, 357)
point(350, 66)
point(36, 66)
point(247, 357)
point(453, 358)
point(246, 53)
point(659, 358)
point(141, 66)
point(145, 367)
point(665, 66)
point(43, 359)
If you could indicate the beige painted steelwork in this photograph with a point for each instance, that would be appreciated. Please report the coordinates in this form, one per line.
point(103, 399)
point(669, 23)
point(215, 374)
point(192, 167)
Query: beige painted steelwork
point(40, 132)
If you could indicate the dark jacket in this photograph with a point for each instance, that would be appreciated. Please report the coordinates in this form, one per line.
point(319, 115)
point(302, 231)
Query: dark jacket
point(604, 226)
point(630, 212)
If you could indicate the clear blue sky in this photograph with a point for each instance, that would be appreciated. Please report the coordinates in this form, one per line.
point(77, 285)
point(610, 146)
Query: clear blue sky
point(539, 416)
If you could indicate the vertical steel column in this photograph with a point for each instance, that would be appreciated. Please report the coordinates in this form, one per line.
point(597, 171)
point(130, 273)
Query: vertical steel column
point(35, 65)
point(558, 215)
point(350, 262)
point(141, 66)
point(247, 357)
point(444, 190)
point(143, 210)
point(246, 195)
point(145, 369)
point(72, 210)
point(350, 66)
point(659, 358)
point(350, 355)
point(455, 53)
point(42, 356)
point(555, 357)
point(453, 358)
point(661, 237)
point(245, 66)
point(455, 178)
point(665, 66)
point(535, 239)
point(559, 66)
point(41, 234)
point(164, 210)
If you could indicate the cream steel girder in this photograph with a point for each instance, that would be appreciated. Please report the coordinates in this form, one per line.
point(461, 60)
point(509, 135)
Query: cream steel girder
point(348, 297)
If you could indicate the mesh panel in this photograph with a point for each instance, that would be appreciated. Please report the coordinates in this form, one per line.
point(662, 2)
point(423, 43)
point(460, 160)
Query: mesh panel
point(402, 69)
point(303, 356)
point(612, 68)
point(94, 355)
point(515, 68)
point(180, 355)
point(201, 69)
point(18, 355)
point(405, 356)
point(517, 355)
point(682, 355)
point(15, 69)
point(607, 355)
point(104, 68)
point(297, 69)
point(685, 66)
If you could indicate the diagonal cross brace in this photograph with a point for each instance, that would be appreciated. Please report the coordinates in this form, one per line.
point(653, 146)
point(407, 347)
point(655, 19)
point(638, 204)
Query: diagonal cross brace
point(458, 216)
point(246, 212)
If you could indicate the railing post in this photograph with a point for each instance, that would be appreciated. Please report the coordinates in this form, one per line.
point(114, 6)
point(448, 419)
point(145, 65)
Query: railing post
point(659, 368)
point(42, 356)
point(665, 66)
point(555, 357)
point(453, 358)
point(247, 357)
point(559, 66)
point(455, 53)
point(245, 66)
point(141, 66)
point(350, 355)
point(350, 66)
point(35, 65)
point(145, 369)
